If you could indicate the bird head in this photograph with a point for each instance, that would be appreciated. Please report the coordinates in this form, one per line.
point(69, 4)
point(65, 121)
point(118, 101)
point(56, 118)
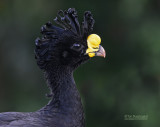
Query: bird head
point(70, 44)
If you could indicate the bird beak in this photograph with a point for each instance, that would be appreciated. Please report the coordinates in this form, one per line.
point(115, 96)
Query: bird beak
point(101, 52)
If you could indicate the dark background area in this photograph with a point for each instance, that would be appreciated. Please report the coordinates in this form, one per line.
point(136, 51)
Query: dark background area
point(126, 82)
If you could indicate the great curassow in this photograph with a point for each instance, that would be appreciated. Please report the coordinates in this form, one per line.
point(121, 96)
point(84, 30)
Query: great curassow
point(58, 53)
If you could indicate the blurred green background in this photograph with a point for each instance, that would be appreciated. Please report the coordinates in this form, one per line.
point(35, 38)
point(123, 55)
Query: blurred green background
point(127, 82)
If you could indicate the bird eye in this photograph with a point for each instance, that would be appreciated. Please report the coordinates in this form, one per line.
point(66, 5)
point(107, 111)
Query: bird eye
point(76, 45)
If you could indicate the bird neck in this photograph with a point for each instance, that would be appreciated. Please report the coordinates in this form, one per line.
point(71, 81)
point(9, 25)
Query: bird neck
point(65, 95)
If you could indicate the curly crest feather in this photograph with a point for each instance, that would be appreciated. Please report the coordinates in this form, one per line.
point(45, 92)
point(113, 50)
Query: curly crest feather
point(68, 21)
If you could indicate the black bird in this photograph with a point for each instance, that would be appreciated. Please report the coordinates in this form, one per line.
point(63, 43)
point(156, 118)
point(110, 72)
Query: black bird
point(59, 52)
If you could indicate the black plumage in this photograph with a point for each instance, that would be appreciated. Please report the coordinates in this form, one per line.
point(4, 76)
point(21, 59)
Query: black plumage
point(58, 53)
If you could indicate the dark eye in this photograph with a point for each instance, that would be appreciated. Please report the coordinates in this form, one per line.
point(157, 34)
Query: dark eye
point(76, 45)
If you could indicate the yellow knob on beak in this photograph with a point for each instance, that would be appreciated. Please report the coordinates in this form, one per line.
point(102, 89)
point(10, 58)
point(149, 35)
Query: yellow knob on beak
point(93, 41)
point(94, 47)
